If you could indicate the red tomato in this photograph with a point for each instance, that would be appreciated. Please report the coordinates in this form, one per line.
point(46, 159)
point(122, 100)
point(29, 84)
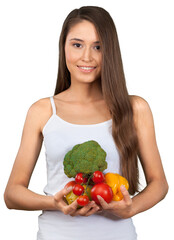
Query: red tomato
point(78, 189)
point(83, 200)
point(103, 190)
point(69, 184)
point(79, 178)
point(98, 177)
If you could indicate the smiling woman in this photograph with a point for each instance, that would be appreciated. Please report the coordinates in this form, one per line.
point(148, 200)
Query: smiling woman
point(90, 89)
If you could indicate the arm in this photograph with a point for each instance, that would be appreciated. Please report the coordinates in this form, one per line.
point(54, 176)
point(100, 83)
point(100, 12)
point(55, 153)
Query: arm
point(149, 156)
point(17, 195)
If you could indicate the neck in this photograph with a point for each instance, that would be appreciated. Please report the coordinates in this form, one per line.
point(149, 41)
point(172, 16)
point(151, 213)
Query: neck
point(84, 93)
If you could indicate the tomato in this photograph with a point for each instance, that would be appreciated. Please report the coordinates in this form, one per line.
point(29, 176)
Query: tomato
point(69, 184)
point(80, 179)
point(78, 189)
point(98, 177)
point(83, 200)
point(103, 190)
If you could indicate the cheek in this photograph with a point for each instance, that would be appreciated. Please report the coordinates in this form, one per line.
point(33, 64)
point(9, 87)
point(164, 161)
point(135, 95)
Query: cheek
point(70, 56)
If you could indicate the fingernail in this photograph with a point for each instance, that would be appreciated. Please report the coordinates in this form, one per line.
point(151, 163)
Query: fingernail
point(123, 187)
point(98, 196)
point(69, 188)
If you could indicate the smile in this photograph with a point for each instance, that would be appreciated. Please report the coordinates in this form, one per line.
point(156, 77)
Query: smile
point(86, 69)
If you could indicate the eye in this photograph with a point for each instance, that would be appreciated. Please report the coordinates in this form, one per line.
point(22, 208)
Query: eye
point(77, 45)
point(97, 47)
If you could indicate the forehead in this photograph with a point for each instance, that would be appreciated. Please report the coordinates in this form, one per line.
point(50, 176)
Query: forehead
point(84, 30)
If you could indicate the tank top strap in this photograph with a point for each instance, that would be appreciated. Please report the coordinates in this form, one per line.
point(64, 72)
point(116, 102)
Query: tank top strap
point(53, 105)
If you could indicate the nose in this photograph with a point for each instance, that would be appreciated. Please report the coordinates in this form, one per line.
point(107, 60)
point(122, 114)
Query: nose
point(87, 56)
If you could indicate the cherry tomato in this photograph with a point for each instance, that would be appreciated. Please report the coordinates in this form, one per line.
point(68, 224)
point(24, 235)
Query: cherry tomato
point(78, 189)
point(83, 200)
point(98, 177)
point(79, 178)
point(103, 190)
point(69, 184)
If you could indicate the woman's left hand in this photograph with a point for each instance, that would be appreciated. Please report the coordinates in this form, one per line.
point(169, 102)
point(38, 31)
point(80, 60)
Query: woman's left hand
point(122, 209)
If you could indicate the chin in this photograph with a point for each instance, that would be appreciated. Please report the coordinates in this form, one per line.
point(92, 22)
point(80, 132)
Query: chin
point(87, 80)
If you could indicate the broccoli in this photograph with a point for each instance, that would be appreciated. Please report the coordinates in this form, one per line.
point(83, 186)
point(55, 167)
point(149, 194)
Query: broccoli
point(86, 158)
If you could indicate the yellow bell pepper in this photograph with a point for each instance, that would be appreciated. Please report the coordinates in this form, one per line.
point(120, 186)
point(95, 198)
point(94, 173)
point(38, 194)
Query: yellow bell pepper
point(114, 180)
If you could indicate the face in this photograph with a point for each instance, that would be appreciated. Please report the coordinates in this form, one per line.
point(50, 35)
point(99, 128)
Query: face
point(83, 52)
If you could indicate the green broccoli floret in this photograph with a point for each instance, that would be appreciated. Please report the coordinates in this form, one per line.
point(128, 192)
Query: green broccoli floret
point(87, 158)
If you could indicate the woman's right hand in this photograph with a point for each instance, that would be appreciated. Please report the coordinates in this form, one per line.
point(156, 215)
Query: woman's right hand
point(71, 209)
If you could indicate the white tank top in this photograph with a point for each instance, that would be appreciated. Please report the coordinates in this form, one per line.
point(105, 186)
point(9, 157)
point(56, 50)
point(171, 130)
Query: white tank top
point(59, 137)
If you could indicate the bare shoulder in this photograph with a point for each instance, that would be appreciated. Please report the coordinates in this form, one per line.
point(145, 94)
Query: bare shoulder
point(139, 104)
point(40, 111)
point(141, 110)
point(40, 107)
point(40, 104)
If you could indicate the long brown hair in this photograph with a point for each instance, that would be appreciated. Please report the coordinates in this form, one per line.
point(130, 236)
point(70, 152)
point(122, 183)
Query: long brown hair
point(113, 86)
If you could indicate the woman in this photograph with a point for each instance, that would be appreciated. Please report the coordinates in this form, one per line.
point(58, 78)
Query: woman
point(91, 101)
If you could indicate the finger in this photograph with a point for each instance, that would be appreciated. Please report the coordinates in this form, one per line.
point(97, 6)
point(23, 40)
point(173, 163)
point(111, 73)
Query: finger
point(84, 209)
point(103, 203)
point(59, 195)
point(70, 209)
point(100, 209)
point(126, 195)
point(92, 211)
point(87, 207)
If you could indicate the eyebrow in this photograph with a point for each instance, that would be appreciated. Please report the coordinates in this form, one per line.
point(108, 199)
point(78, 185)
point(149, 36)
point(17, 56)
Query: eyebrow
point(80, 40)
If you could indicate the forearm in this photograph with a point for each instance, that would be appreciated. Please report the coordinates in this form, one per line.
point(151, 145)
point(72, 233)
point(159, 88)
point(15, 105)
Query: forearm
point(150, 196)
point(19, 197)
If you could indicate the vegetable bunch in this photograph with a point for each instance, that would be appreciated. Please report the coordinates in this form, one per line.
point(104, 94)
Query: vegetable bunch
point(86, 188)
point(86, 163)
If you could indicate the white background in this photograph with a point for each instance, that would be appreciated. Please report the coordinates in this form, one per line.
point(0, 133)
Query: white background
point(28, 61)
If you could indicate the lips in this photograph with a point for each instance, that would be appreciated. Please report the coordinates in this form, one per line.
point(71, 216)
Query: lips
point(86, 69)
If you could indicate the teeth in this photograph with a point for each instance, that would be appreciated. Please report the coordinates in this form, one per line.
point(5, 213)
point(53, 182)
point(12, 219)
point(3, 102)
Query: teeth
point(86, 68)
